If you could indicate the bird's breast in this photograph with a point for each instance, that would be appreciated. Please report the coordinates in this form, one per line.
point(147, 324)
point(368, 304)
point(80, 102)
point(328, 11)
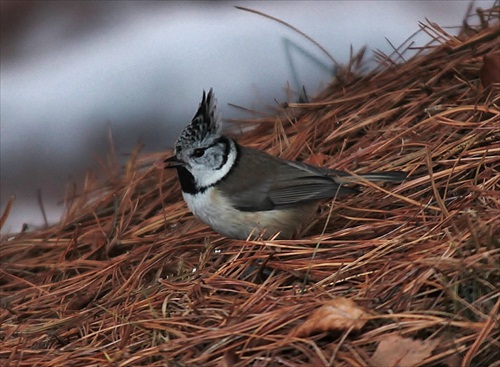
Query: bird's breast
point(214, 209)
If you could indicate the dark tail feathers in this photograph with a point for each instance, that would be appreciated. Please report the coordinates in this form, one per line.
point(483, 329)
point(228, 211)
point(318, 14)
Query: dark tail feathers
point(389, 176)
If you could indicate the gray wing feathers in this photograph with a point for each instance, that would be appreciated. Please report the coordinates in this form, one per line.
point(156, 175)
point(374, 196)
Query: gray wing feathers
point(264, 182)
point(295, 185)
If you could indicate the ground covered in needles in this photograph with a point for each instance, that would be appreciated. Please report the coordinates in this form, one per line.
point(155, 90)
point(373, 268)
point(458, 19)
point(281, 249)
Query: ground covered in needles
point(398, 275)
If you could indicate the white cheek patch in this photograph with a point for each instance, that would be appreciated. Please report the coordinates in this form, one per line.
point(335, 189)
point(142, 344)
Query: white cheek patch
point(206, 177)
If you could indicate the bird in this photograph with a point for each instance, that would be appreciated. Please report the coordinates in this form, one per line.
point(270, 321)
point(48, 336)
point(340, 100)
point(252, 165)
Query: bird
point(245, 193)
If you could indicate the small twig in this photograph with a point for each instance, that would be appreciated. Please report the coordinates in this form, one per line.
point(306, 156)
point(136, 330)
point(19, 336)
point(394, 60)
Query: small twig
point(42, 208)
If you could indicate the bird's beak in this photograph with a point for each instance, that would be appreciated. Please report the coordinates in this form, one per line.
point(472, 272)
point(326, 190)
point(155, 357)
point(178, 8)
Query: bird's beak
point(172, 162)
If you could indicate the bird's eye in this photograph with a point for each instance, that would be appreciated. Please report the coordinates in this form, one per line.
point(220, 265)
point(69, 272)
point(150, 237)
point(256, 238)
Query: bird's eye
point(198, 152)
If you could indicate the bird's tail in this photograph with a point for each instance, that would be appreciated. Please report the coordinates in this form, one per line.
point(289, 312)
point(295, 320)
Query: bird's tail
point(389, 176)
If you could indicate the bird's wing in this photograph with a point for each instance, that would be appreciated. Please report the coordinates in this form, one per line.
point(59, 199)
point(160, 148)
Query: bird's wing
point(263, 182)
point(297, 183)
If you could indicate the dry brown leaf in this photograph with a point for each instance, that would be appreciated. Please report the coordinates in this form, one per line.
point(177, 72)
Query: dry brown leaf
point(338, 314)
point(396, 351)
point(452, 361)
point(317, 159)
point(490, 71)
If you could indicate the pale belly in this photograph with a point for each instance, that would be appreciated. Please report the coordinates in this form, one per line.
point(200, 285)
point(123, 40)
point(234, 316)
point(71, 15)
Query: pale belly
point(215, 210)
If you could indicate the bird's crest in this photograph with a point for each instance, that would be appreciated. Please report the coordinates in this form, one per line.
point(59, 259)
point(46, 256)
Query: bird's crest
point(205, 122)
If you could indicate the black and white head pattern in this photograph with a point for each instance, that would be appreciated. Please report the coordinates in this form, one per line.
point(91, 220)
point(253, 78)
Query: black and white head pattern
point(202, 149)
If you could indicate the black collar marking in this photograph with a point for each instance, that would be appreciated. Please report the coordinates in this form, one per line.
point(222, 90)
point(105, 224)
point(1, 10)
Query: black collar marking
point(188, 184)
point(227, 150)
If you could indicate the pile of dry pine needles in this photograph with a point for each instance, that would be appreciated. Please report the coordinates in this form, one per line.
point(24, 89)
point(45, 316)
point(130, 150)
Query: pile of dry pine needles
point(404, 275)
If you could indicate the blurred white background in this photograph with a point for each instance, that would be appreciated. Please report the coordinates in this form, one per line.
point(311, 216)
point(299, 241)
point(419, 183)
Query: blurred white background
point(72, 70)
